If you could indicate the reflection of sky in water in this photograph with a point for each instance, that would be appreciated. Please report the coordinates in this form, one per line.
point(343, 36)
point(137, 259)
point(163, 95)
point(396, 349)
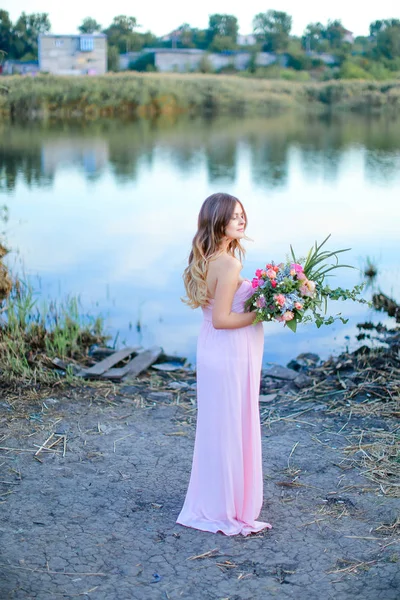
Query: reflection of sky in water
point(111, 217)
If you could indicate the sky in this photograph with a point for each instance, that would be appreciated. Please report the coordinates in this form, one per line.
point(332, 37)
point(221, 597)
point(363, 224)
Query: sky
point(161, 17)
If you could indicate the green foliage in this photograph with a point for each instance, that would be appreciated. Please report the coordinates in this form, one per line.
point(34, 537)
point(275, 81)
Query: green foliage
point(121, 34)
point(205, 65)
point(137, 94)
point(223, 26)
point(275, 72)
point(145, 62)
point(299, 61)
point(350, 70)
point(89, 25)
point(221, 43)
point(388, 42)
point(313, 37)
point(113, 58)
point(273, 28)
point(56, 330)
point(25, 34)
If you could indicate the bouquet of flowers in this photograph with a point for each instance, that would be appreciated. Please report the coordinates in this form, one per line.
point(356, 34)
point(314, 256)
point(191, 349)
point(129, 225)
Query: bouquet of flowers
point(287, 291)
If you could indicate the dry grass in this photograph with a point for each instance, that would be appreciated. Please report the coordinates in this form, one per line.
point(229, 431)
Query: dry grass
point(152, 94)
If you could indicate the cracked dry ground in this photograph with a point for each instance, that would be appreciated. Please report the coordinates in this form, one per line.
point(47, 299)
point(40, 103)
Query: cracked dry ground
point(100, 522)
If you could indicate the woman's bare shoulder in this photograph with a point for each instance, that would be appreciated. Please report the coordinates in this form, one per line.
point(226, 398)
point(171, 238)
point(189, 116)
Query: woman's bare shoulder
point(227, 261)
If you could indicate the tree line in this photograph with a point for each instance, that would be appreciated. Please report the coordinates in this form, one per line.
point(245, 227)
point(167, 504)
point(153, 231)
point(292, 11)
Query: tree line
point(271, 30)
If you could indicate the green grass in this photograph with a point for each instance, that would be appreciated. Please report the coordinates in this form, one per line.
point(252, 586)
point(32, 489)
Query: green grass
point(30, 334)
point(153, 94)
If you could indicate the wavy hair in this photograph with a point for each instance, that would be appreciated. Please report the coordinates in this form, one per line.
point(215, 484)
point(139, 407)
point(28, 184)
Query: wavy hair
point(214, 216)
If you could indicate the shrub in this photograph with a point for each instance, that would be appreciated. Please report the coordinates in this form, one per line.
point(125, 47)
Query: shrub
point(205, 65)
point(146, 62)
point(350, 70)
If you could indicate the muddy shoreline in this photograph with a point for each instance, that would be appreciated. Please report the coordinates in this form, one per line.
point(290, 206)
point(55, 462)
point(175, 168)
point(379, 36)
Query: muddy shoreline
point(95, 515)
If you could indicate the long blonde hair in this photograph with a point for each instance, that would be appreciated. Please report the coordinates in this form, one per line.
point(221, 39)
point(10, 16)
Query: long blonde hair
point(214, 216)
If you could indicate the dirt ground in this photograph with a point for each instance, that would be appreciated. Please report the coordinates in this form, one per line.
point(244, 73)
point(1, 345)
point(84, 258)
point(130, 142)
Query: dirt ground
point(96, 518)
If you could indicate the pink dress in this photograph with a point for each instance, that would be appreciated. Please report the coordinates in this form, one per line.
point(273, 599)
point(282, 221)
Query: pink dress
point(225, 491)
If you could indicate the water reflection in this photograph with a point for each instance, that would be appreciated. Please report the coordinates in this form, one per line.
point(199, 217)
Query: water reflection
point(36, 152)
point(108, 209)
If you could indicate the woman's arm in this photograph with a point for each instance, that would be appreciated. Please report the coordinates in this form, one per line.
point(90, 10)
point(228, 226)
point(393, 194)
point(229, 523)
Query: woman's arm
point(227, 282)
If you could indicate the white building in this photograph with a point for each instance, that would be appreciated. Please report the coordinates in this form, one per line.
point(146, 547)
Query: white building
point(84, 54)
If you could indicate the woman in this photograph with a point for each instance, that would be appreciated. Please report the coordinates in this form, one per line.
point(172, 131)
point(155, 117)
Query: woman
point(225, 491)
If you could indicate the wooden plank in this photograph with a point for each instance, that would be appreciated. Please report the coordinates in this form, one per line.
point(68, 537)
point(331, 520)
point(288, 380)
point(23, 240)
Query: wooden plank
point(106, 364)
point(138, 364)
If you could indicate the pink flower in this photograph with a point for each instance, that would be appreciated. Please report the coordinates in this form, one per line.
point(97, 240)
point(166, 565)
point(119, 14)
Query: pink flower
point(280, 318)
point(279, 299)
point(301, 276)
point(288, 315)
point(258, 272)
point(273, 283)
point(311, 285)
point(307, 288)
point(303, 290)
point(271, 273)
point(298, 268)
point(260, 302)
point(255, 282)
point(298, 305)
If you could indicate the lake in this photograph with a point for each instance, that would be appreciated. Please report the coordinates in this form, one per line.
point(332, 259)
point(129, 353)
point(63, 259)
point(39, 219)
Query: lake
point(107, 211)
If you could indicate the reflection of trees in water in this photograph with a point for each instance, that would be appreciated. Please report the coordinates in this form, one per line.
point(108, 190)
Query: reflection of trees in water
point(186, 158)
point(221, 160)
point(35, 154)
point(269, 160)
point(382, 166)
point(21, 163)
point(324, 162)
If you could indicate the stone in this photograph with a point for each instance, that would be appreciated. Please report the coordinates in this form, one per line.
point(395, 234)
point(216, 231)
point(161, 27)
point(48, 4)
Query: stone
point(264, 398)
point(302, 381)
point(293, 364)
point(160, 396)
point(178, 385)
point(167, 367)
point(307, 359)
point(129, 390)
point(279, 372)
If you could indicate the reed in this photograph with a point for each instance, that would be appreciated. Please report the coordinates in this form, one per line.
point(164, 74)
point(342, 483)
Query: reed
point(153, 94)
point(32, 335)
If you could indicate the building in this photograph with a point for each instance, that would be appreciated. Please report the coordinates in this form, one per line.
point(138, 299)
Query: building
point(348, 36)
point(20, 67)
point(185, 60)
point(84, 54)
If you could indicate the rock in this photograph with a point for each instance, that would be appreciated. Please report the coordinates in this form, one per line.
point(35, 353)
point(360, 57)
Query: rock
point(279, 372)
point(167, 367)
point(302, 381)
point(307, 359)
point(178, 385)
point(129, 390)
point(293, 364)
point(50, 400)
point(160, 396)
point(319, 407)
point(267, 398)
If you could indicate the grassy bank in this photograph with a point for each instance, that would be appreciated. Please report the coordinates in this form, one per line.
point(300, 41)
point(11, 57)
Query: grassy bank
point(32, 336)
point(152, 94)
